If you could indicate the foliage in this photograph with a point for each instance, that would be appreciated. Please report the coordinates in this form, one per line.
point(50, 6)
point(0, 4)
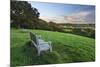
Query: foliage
point(55, 27)
point(84, 32)
point(23, 15)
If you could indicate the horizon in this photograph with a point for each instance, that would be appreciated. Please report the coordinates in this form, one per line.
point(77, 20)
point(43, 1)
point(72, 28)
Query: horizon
point(65, 13)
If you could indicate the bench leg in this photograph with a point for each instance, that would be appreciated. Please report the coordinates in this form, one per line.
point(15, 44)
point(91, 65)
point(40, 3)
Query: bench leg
point(50, 46)
point(38, 52)
point(50, 49)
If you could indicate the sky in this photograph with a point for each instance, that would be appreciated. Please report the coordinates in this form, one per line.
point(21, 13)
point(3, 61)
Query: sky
point(65, 13)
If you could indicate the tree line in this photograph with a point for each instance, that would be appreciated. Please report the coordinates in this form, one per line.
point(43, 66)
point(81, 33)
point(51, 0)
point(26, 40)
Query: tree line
point(23, 15)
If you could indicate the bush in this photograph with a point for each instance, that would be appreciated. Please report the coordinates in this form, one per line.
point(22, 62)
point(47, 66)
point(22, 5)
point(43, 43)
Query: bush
point(90, 32)
point(84, 32)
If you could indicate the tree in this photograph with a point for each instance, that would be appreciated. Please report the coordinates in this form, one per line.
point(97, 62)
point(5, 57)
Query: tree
point(55, 27)
point(23, 15)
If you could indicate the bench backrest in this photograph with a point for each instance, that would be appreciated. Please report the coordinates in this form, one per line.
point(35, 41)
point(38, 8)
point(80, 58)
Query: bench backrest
point(34, 38)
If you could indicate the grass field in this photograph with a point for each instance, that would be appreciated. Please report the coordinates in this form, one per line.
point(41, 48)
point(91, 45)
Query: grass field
point(67, 48)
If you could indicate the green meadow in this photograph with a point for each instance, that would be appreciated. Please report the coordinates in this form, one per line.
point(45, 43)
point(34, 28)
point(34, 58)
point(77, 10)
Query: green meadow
point(67, 48)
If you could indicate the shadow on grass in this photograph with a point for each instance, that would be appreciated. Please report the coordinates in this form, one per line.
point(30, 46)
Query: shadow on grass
point(27, 55)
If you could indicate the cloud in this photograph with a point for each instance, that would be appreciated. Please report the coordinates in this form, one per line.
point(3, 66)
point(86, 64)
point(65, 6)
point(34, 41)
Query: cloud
point(78, 17)
point(52, 18)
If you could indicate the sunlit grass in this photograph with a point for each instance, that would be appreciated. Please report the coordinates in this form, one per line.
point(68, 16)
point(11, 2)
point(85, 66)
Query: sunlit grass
point(66, 48)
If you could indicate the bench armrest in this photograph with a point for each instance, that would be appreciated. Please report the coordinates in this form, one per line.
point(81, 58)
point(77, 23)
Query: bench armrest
point(45, 43)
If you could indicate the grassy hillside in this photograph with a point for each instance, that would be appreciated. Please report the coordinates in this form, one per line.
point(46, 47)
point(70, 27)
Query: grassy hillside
point(66, 48)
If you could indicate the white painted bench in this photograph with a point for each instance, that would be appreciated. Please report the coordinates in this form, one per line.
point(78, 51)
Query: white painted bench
point(40, 44)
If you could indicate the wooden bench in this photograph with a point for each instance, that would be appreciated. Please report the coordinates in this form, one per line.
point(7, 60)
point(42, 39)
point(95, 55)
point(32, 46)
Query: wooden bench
point(40, 44)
